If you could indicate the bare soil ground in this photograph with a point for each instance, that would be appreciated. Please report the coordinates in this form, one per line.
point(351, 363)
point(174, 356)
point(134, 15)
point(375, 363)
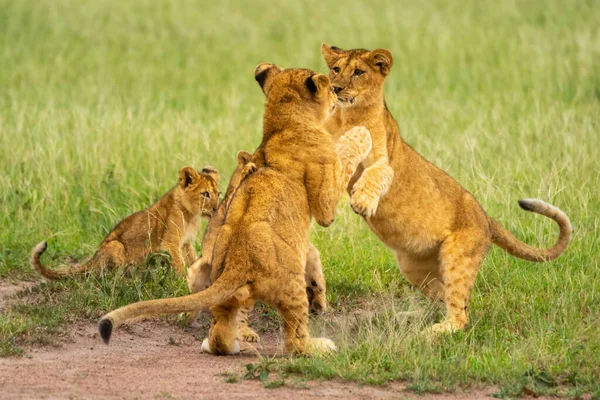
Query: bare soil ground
point(154, 359)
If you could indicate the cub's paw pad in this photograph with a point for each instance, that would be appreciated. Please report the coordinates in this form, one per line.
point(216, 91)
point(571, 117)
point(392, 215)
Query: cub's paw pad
point(321, 346)
point(364, 202)
point(248, 335)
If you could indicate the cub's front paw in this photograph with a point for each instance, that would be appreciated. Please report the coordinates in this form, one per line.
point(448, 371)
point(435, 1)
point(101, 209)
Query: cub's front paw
point(357, 138)
point(317, 303)
point(364, 201)
point(249, 169)
point(323, 223)
point(246, 334)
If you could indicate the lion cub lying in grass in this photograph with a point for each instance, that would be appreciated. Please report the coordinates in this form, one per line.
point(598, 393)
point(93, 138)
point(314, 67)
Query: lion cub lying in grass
point(170, 224)
point(260, 251)
point(199, 274)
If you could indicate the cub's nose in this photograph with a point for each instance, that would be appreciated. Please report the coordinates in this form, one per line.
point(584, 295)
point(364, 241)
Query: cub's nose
point(337, 89)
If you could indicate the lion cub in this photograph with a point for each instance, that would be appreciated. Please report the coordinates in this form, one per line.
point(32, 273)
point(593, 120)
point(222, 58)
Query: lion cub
point(438, 230)
point(260, 251)
point(170, 224)
point(199, 274)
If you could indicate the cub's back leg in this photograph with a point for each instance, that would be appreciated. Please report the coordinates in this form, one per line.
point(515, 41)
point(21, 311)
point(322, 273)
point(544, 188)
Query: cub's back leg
point(423, 273)
point(245, 333)
point(461, 255)
point(292, 304)
point(110, 254)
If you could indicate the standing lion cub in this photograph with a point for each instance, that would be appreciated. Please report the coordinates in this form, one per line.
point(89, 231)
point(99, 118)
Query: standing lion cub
point(199, 274)
point(260, 251)
point(171, 224)
point(437, 229)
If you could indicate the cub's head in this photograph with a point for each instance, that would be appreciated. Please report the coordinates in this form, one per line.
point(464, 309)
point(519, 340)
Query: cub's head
point(357, 76)
point(199, 190)
point(307, 93)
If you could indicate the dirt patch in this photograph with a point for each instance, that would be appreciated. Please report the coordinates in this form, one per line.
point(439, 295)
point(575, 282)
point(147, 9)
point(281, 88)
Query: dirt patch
point(153, 359)
point(150, 359)
point(156, 359)
point(8, 290)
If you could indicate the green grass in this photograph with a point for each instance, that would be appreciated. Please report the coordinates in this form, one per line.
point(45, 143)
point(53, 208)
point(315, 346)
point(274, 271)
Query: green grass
point(102, 102)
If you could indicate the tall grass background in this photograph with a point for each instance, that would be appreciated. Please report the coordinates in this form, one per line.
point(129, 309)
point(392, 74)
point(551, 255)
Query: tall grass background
point(102, 102)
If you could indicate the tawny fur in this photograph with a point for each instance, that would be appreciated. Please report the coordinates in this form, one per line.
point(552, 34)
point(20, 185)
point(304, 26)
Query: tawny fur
point(199, 274)
point(437, 229)
point(171, 224)
point(260, 251)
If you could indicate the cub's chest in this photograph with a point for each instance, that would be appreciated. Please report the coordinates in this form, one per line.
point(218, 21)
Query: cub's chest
point(190, 230)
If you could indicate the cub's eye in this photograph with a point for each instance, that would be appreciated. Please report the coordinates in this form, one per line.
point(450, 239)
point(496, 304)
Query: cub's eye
point(358, 72)
point(206, 194)
point(336, 70)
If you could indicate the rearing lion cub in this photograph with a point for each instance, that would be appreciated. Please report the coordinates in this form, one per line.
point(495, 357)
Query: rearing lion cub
point(199, 274)
point(438, 230)
point(260, 251)
point(171, 224)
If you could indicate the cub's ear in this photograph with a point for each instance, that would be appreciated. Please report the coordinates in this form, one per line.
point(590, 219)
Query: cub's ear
point(382, 59)
point(331, 54)
point(243, 157)
point(187, 176)
point(212, 172)
point(264, 74)
point(317, 83)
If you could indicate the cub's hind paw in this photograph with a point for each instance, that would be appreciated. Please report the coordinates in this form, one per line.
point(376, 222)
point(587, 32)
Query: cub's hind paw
point(439, 329)
point(207, 349)
point(247, 334)
point(321, 346)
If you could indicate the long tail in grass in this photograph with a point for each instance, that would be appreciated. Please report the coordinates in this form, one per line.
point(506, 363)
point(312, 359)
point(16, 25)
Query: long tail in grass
point(503, 238)
point(222, 290)
point(76, 269)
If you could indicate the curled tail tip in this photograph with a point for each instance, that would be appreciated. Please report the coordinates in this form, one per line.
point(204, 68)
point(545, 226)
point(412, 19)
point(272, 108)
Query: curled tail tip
point(40, 247)
point(105, 327)
point(531, 204)
point(547, 209)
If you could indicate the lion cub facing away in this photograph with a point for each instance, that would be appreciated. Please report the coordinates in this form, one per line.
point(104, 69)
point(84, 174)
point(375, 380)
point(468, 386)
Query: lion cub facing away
point(260, 251)
point(199, 274)
point(170, 224)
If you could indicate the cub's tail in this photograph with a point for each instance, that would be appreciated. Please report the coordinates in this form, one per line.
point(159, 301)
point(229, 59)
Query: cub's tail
point(503, 238)
point(53, 274)
point(222, 290)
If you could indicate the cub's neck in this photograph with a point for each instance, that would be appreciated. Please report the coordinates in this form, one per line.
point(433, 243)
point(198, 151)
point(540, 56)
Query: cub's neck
point(279, 118)
point(371, 116)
